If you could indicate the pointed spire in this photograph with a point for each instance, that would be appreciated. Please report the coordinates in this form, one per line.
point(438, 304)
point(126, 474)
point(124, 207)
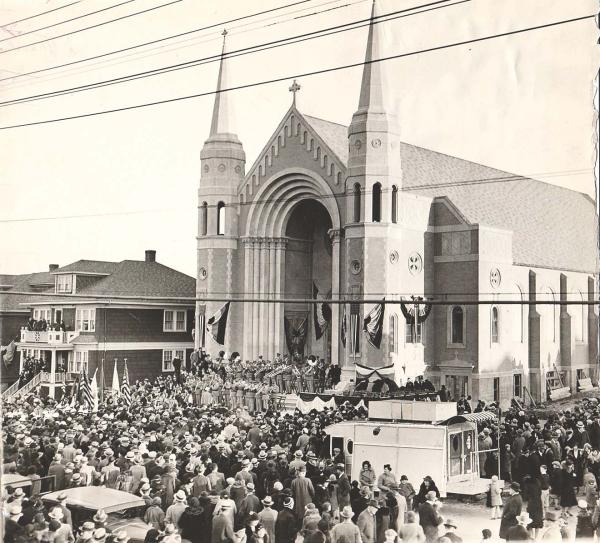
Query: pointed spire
point(221, 117)
point(371, 90)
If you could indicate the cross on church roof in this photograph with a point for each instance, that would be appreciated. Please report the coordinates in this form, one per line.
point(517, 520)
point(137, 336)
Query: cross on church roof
point(294, 89)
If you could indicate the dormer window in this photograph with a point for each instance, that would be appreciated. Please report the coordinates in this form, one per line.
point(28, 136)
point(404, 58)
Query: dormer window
point(64, 284)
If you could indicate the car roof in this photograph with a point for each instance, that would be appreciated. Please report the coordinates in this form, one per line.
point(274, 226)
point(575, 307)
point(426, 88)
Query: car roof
point(94, 498)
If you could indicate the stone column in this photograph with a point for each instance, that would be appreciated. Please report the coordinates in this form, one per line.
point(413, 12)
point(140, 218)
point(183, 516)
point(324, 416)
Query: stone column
point(248, 282)
point(272, 289)
point(255, 293)
point(52, 385)
point(565, 334)
point(592, 329)
point(334, 236)
point(537, 385)
point(262, 291)
point(279, 341)
point(21, 361)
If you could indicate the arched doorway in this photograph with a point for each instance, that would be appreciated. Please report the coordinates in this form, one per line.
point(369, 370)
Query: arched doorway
point(308, 265)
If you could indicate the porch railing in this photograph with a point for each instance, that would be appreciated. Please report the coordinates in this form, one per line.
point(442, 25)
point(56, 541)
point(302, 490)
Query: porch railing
point(14, 388)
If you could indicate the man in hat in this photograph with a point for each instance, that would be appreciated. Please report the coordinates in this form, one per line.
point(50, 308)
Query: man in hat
point(343, 486)
point(177, 508)
point(519, 532)
point(64, 532)
point(62, 503)
point(429, 517)
point(57, 469)
point(512, 509)
point(451, 527)
point(250, 503)
point(200, 484)
point(286, 525)
point(154, 515)
point(222, 525)
point(302, 491)
point(346, 530)
point(367, 524)
point(268, 517)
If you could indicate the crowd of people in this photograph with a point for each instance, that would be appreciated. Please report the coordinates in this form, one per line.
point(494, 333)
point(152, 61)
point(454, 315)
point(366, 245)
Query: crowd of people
point(230, 471)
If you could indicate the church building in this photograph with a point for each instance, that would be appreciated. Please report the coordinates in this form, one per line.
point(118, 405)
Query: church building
point(352, 212)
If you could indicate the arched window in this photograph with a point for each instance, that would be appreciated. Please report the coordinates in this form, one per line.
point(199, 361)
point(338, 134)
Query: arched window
point(376, 206)
point(457, 332)
point(495, 324)
point(394, 204)
point(393, 334)
point(221, 219)
point(356, 202)
point(204, 219)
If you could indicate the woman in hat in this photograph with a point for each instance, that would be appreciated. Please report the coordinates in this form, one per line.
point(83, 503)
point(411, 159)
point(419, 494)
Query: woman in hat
point(512, 509)
point(568, 485)
point(428, 485)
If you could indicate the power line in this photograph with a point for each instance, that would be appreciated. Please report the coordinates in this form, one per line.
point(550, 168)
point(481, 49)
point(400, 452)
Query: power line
point(297, 76)
point(159, 40)
point(21, 34)
point(322, 197)
point(340, 301)
point(90, 27)
point(231, 54)
point(39, 14)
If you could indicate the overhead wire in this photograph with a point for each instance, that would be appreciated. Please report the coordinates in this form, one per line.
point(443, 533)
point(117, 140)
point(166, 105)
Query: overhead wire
point(214, 25)
point(21, 34)
point(4, 25)
point(299, 75)
point(97, 25)
point(322, 197)
point(299, 38)
point(177, 45)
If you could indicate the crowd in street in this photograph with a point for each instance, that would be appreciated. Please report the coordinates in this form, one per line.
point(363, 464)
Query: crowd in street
point(218, 472)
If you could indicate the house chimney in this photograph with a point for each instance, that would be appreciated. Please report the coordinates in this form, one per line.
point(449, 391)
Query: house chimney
point(53, 267)
point(150, 256)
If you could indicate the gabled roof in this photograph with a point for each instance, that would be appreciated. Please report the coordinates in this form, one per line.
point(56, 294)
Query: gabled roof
point(41, 281)
point(553, 227)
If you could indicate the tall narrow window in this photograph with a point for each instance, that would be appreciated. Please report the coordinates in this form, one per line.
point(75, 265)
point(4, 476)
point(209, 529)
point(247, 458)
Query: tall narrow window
point(204, 218)
point(457, 328)
point(393, 334)
point(376, 206)
point(357, 203)
point(394, 204)
point(221, 219)
point(495, 324)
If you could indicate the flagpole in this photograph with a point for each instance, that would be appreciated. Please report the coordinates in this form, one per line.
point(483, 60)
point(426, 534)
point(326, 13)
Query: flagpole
point(101, 384)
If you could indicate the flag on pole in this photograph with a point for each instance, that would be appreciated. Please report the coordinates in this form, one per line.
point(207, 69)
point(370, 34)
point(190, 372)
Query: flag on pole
point(125, 390)
point(9, 354)
point(373, 325)
point(86, 391)
point(217, 324)
point(202, 330)
point(321, 314)
point(94, 389)
point(354, 329)
point(115, 382)
point(344, 327)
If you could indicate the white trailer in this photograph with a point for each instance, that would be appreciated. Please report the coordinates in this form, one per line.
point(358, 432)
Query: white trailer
point(416, 439)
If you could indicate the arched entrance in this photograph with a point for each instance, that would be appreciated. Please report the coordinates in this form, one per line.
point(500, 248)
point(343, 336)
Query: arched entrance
point(292, 205)
point(308, 265)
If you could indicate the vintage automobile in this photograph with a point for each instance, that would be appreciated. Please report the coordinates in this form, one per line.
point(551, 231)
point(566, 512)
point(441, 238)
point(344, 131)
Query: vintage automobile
point(121, 507)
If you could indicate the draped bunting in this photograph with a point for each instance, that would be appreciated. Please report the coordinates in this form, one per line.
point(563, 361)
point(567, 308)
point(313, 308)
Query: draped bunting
point(373, 325)
point(295, 336)
point(344, 328)
point(319, 402)
point(322, 314)
point(409, 312)
point(385, 371)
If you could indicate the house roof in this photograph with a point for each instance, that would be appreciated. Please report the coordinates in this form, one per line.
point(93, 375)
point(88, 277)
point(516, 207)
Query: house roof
point(553, 227)
point(141, 278)
point(99, 267)
point(23, 283)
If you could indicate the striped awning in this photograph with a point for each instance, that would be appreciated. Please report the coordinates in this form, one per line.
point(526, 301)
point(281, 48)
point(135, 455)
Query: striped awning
point(483, 416)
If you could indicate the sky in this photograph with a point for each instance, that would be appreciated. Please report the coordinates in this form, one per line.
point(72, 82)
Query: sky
point(108, 187)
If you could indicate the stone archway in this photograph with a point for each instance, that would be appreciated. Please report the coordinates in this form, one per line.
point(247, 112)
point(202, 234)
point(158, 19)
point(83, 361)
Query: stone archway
point(266, 245)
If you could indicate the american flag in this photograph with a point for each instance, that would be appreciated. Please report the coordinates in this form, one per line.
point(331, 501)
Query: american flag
point(85, 390)
point(125, 391)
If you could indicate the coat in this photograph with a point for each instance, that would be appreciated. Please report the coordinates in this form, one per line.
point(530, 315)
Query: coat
point(411, 533)
point(286, 527)
point(268, 517)
point(221, 530)
point(495, 494)
point(512, 509)
point(343, 491)
point(194, 525)
point(429, 519)
point(368, 527)
point(303, 492)
point(517, 533)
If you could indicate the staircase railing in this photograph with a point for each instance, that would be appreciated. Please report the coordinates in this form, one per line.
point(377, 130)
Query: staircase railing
point(14, 388)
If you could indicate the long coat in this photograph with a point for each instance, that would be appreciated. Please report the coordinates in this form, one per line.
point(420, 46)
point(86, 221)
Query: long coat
point(303, 492)
point(512, 509)
point(286, 527)
point(430, 520)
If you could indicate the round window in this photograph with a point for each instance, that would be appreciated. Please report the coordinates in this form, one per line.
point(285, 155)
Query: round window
point(455, 442)
point(349, 446)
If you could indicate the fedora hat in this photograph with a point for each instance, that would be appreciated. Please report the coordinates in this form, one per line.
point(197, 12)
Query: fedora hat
point(347, 512)
point(450, 524)
point(100, 516)
point(268, 501)
point(180, 496)
point(524, 519)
